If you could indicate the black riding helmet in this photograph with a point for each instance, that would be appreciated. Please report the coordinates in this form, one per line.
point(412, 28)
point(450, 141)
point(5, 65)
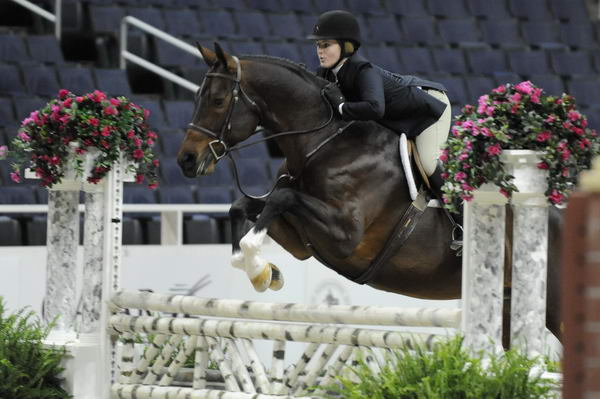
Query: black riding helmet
point(338, 25)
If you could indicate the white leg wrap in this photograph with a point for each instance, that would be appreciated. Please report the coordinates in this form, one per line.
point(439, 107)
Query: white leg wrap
point(238, 261)
point(251, 244)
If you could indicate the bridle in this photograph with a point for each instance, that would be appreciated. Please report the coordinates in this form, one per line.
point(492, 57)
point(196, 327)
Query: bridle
point(219, 138)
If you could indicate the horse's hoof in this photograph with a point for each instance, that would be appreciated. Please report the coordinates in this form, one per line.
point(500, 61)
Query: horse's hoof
point(237, 260)
point(262, 281)
point(276, 278)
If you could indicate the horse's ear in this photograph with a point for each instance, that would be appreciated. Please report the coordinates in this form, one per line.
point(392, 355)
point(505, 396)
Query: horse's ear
point(224, 58)
point(208, 55)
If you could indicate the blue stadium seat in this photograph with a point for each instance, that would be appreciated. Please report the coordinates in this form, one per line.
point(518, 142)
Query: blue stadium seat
point(307, 23)
point(78, 80)
point(222, 176)
point(372, 7)
point(246, 47)
point(552, 84)
point(463, 32)
point(252, 171)
point(416, 60)
point(181, 22)
point(385, 57)
point(113, 81)
point(265, 5)
point(286, 26)
point(12, 49)
point(450, 60)
point(44, 49)
point(305, 6)
point(530, 10)
point(179, 113)
point(502, 78)
point(327, 5)
point(586, 90)
point(384, 29)
point(457, 93)
point(571, 10)
point(448, 9)
point(252, 24)
point(138, 194)
point(258, 149)
point(593, 117)
point(572, 63)
point(579, 35)
point(10, 232)
point(420, 30)
point(171, 141)
point(487, 9)
point(232, 4)
point(596, 57)
point(407, 8)
point(149, 15)
point(544, 34)
point(218, 23)
point(7, 113)
point(526, 62)
point(213, 195)
point(40, 80)
point(478, 86)
point(177, 195)
point(172, 174)
point(200, 229)
point(503, 33)
point(106, 19)
point(171, 56)
point(487, 61)
point(284, 50)
point(26, 105)
point(11, 82)
point(156, 120)
point(17, 194)
point(309, 55)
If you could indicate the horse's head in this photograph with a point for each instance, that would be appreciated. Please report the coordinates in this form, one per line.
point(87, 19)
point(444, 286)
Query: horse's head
point(224, 114)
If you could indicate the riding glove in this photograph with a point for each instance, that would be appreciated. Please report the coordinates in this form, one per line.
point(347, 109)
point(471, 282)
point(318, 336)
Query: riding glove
point(335, 96)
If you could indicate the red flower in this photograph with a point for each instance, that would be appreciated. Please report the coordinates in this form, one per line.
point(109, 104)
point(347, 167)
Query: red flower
point(152, 186)
point(130, 134)
point(493, 150)
point(543, 136)
point(62, 93)
point(16, 177)
point(110, 111)
point(504, 192)
point(105, 144)
point(105, 131)
point(138, 154)
point(115, 101)
point(67, 103)
point(139, 178)
point(93, 121)
point(543, 165)
point(55, 160)
point(556, 197)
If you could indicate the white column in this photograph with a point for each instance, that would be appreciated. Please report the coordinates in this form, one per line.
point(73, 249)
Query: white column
point(61, 263)
point(483, 270)
point(530, 251)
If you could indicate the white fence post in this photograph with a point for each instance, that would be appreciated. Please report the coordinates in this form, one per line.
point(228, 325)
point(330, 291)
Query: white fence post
point(483, 270)
point(530, 251)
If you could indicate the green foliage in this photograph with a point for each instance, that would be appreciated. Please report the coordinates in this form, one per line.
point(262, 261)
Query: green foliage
point(28, 370)
point(448, 372)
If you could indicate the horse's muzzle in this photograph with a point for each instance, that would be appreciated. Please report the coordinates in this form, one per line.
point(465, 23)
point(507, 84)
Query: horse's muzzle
point(193, 165)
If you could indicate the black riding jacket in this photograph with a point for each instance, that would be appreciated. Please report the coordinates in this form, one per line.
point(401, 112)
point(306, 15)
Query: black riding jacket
point(395, 101)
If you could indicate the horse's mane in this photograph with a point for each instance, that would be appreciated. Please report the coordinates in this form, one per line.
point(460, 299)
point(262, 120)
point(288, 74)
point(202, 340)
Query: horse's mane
point(299, 69)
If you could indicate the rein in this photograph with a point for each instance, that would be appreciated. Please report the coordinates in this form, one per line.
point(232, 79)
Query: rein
point(226, 127)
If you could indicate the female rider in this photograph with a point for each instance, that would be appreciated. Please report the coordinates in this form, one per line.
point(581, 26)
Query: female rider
point(363, 91)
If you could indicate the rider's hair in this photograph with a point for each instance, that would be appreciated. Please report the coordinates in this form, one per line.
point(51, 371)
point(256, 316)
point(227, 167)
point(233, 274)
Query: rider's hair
point(349, 47)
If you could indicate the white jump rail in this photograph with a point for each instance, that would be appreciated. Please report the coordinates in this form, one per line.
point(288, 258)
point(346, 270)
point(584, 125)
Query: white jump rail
point(55, 18)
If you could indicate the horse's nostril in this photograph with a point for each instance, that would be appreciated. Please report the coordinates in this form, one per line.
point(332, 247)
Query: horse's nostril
point(188, 159)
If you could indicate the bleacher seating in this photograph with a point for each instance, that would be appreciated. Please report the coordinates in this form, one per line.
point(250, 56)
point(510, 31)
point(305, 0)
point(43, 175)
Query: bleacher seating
point(470, 46)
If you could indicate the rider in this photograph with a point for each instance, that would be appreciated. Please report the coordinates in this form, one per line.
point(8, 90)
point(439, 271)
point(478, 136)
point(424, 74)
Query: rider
point(363, 91)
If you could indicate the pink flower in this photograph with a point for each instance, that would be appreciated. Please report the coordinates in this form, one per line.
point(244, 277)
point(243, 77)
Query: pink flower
point(463, 156)
point(556, 197)
point(98, 96)
point(80, 151)
point(550, 119)
point(150, 142)
point(499, 89)
point(93, 121)
point(486, 132)
point(583, 143)
point(493, 150)
point(62, 93)
point(137, 142)
point(110, 111)
point(466, 197)
point(466, 187)
point(156, 163)
point(543, 136)
point(152, 186)
point(460, 176)
point(152, 135)
point(515, 98)
point(16, 177)
point(23, 136)
point(139, 179)
point(574, 115)
point(444, 156)
point(146, 113)
point(115, 101)
point(504, 192)
point(55, 109)
point(524, 87)
point(67, 103)
point(54, 160)
point(64, 119)
point(444, 175)
point(3, 151)
point(105, 131)
point(565, 154)
point(79, 99)
point(138, 154)
point(489, 111)
point(130, 134)
point(105, 144)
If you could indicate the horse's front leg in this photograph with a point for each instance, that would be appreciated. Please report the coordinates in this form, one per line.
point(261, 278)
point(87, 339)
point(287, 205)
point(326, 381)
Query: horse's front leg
point(242, 210)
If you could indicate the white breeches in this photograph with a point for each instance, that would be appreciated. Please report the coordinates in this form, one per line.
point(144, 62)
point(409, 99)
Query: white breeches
point(431, 139)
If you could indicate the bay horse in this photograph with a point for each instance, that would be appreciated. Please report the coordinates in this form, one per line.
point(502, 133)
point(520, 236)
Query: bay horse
point(345, 188)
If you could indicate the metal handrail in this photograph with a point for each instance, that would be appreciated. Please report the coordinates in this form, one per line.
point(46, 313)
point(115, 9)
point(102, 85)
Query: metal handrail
point(127, 56)
point(54, 18)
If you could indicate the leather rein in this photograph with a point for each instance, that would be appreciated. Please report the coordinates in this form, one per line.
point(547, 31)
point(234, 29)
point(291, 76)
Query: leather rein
point(219, 138)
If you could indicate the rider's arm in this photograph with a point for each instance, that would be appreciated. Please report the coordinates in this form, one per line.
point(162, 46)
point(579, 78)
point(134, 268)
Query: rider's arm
point(372, 104)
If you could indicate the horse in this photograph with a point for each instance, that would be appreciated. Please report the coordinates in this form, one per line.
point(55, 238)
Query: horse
point(340, 192)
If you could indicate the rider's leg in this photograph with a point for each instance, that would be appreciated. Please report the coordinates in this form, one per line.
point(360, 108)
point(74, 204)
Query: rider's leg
point(430, 141)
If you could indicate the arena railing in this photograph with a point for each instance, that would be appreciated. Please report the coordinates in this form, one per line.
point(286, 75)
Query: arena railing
point(171, 215)
point(125, 55)
point(55, 18)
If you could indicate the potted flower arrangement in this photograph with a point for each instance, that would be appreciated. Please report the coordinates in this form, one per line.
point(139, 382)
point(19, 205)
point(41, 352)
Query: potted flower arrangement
point(59, 136)
point(516, 117)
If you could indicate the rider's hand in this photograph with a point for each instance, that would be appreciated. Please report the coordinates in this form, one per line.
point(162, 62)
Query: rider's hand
point(334, 95)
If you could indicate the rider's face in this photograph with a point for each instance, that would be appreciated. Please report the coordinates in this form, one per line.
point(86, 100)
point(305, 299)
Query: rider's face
point(329, 52)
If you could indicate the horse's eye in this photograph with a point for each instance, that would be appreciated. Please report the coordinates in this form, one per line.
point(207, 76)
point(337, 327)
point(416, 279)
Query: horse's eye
point(218, 102)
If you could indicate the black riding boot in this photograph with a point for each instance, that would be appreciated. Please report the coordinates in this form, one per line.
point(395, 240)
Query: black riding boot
point(436, 182)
